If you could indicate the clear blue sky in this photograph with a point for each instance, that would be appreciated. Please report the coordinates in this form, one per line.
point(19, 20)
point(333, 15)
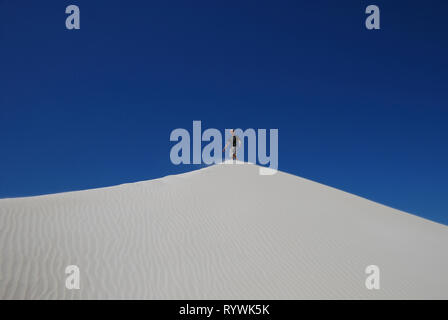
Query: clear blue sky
point(362, 111)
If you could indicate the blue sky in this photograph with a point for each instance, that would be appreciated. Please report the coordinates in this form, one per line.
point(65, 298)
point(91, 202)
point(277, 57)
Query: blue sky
point(362, 111)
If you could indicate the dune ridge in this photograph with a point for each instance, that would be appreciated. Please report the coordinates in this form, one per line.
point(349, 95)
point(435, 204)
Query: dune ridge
point(223, 232)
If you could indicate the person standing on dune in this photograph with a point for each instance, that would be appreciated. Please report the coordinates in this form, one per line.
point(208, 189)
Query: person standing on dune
point(235, 142)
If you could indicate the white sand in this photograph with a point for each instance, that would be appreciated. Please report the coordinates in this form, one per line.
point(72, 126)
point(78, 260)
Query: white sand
point(223, 232)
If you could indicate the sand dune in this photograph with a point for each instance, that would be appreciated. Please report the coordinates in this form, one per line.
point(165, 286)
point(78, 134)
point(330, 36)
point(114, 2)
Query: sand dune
point(223, 232)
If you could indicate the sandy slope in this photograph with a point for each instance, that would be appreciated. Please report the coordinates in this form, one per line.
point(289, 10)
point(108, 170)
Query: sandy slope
point(220, 232)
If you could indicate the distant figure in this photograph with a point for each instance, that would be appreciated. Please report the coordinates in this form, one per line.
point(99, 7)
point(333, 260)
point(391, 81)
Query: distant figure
point(235, 142)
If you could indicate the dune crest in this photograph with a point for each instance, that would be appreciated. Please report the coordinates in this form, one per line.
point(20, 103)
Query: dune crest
point(223, 232)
